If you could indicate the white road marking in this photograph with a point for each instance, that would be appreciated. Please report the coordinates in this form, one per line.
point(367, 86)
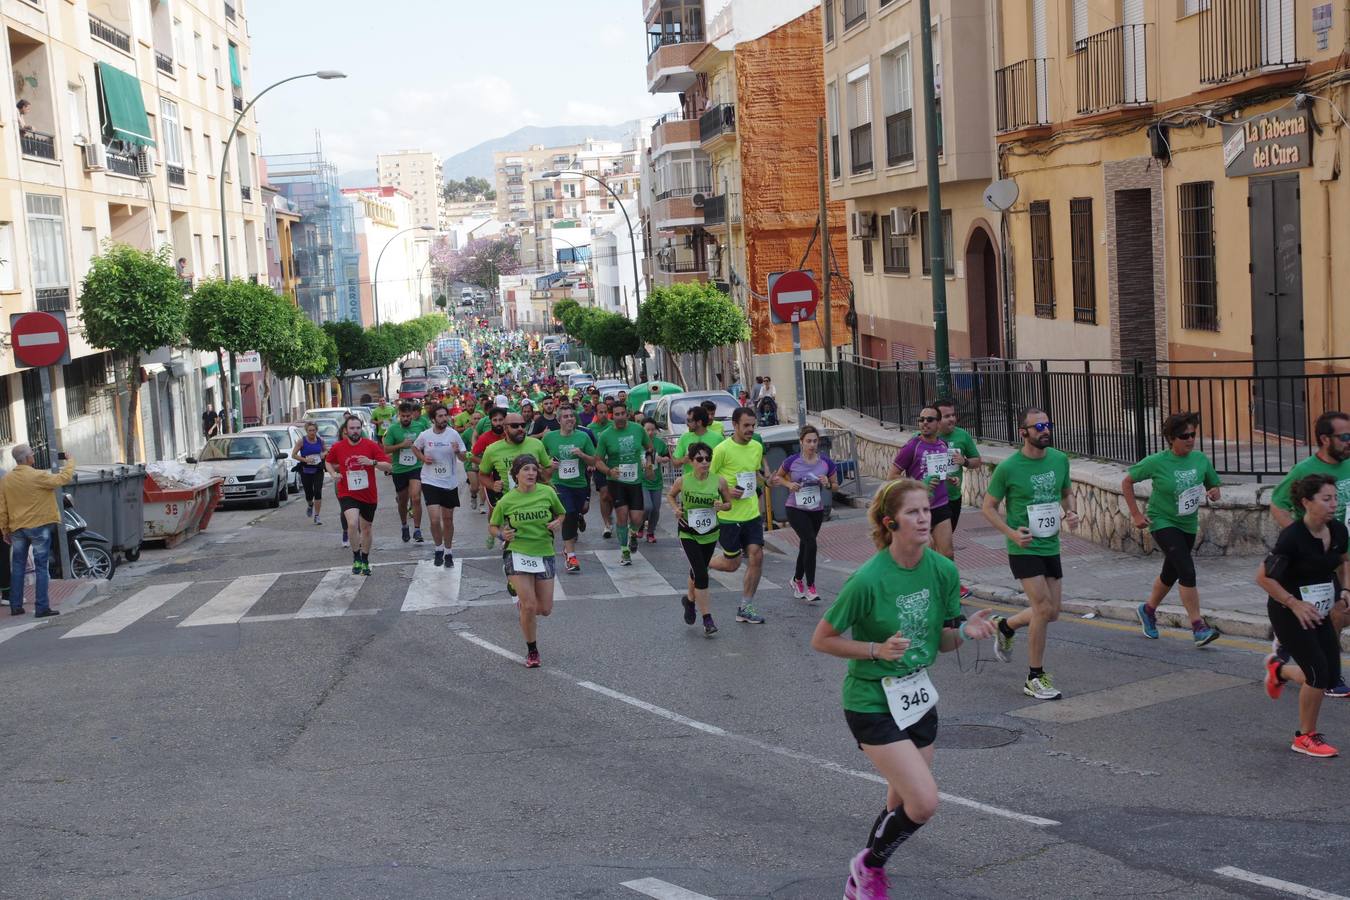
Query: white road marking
point(661, 890)
point(638, 580)
point(732, 581)
point(1135, 695)
point(1275, 884)
point(15, 631)
point(433, 586)
point(336, 591)
point(290, 617)
point(714, 730)
point(129, 610)
point(233, 601)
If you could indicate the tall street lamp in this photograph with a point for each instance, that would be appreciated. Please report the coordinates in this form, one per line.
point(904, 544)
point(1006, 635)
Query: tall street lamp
point(375, 278)
point(326, 75)
point(637, 282)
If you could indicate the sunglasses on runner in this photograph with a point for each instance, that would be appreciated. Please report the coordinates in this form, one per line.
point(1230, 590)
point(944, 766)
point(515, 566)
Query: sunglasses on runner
point(516, 425)
point(928, 418)
point(700, 459)
point(1186, 436)
point(1040, 426)
point(1343, 438)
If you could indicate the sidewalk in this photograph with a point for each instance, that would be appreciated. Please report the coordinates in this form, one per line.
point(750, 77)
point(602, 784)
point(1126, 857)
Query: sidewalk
point(1096, 580)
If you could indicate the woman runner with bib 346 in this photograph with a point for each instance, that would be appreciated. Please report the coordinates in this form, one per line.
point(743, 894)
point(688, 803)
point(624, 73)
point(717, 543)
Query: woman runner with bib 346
point(1306, 579)
point(901, 608)
point(525, 519)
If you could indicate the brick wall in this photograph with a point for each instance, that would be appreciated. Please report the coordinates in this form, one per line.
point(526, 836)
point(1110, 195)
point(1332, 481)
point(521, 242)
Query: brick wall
point(780, 97)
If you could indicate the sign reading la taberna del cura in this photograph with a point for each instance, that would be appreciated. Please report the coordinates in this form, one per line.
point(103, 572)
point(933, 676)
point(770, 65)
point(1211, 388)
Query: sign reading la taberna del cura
point(1271, 142)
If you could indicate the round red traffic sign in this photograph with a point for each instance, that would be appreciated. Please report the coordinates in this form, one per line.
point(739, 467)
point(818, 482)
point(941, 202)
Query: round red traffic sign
point(38, 339)
point(794, 296)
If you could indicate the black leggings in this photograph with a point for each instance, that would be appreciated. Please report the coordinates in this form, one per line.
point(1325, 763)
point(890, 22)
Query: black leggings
point(1178, 565)
point(806, 524)
point(1316, 650)
point(569, 526)
point(313, 484)
point(699, 556)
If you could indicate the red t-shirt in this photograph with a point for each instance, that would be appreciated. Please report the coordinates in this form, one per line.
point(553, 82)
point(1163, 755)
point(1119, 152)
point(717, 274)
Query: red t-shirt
point(485, 440)
point(355, 481)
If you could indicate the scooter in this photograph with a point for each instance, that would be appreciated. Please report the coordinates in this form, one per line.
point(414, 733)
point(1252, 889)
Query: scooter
point(91, 556)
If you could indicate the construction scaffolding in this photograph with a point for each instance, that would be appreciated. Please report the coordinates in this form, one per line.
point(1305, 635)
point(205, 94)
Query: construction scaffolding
point(327, 262)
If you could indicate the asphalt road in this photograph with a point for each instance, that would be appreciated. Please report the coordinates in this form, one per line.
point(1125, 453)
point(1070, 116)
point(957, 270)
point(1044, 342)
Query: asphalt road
point(324, 741)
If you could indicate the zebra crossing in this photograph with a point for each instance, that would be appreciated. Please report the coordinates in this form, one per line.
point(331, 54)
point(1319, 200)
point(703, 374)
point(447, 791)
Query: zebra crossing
point(336, 592)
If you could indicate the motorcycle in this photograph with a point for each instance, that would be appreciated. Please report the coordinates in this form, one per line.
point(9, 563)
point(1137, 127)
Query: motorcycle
point(90, 553)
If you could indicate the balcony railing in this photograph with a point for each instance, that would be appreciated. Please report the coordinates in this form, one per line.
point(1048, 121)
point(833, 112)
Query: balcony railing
point(1021, 94)
point(1239, 38)
point(245, 192)
point(109, 34)
point(121, 163)
point(718, 120)
point(52, 299)
point(238, 103)
point(164, 62)
point(722, 209)
point(658, 39)
point(680, 266)
point(860, 149)
point(177, 175)
point(37, 143)
point(229, 11)
point(1113, 69)
point(683, 192)
point(900, 138)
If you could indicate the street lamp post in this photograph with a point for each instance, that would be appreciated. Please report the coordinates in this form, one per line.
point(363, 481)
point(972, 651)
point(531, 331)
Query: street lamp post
point(637, 283)
point(375, 280)
point(326, 75)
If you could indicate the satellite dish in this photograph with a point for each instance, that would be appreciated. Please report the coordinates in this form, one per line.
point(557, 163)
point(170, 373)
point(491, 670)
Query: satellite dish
point(1001, 195)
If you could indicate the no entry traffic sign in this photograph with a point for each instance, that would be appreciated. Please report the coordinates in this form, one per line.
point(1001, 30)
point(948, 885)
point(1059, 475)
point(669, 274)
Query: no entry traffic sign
point(39, 339)
point(793, 297)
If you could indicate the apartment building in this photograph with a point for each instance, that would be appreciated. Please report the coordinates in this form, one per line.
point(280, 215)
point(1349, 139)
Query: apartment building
point(419, 174)
point(130, 102)
point(381, 217)
point(564, 198)
point(734, 189)
point(1179, 167)
point(878, 166)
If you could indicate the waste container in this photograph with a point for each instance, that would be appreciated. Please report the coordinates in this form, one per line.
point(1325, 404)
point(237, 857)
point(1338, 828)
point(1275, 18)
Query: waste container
point(173, 513)
point(110, 500)
point(780, 442)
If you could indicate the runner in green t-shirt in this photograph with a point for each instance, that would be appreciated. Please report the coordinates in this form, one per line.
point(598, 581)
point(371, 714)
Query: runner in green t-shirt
point(495, 467)
point(466, 434)
point(1331, 431)
point(525, 520)
point(740, 460)
point(699, 431)
point(620, 451)
point(1182, 478)
point(571, 450)
point(900, 609)
point(1035, 484)
point(697, 497)
point(653, 482)
point(407, 469)
point(965, 455)
point(382, 415)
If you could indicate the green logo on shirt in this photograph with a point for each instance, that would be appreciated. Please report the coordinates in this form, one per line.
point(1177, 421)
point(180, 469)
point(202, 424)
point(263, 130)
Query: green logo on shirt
point(1043, 487)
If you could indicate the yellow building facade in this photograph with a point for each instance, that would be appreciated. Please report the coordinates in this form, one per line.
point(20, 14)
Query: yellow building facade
point(1180, 173)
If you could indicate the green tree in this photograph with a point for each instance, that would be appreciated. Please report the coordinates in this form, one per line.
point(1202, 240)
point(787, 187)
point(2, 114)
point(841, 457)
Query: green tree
point(349, 342)
point(701, 320)
point(238, 317)
point(132, 303)
point(613, 336)
point(562, 308)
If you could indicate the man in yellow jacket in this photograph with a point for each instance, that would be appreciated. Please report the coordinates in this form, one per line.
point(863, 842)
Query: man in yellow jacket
point(28, 514)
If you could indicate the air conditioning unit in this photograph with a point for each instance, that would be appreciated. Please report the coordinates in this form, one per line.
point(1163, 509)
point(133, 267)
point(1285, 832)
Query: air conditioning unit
point(95, 157)
point(145, 162)
point(861, 225)
point(698, 200)
point(902, 220)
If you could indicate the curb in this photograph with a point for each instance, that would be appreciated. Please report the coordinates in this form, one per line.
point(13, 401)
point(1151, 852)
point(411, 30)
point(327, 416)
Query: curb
point(1229, 622)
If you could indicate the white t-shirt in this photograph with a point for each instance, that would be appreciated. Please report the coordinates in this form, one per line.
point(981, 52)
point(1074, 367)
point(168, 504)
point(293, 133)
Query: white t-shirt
point(442, 468)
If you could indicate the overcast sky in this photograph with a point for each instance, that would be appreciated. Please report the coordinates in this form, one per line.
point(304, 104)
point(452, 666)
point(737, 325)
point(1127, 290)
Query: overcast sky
point(443, 75)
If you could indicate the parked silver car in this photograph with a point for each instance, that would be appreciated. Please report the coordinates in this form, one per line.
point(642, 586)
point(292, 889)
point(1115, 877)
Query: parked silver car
point(251, 465)
point(284, 436)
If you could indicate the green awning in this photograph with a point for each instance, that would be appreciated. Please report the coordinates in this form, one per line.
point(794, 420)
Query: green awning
point(210, 369)
point(234, 67)
point(121, 107)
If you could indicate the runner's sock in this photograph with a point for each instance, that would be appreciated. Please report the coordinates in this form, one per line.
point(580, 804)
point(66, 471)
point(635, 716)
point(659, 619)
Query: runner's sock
point(893, 831)
point(532, 646)
point(1005, 629)
point(623, 536)
point(356, 556)
point(876, 827)
point(1035, 672)
point(1198, 625)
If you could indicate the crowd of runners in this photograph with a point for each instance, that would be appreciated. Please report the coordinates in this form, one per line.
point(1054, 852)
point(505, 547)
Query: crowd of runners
point(532, 455)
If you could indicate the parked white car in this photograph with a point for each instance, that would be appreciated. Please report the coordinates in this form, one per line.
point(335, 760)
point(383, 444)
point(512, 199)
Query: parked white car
point(570, 367)
point(670, 410)
point(284, 436)
point(251, 465)
point(340, 413)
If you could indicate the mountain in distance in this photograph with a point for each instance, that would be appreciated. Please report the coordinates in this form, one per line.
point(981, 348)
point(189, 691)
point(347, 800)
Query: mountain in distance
point(477, 160)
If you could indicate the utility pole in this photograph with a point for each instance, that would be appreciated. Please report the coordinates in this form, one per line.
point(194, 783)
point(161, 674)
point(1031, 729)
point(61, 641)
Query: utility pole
point(938, 255)
point(824, 242)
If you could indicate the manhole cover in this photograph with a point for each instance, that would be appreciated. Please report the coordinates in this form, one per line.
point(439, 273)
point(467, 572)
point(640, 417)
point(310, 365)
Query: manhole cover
point(975, 737)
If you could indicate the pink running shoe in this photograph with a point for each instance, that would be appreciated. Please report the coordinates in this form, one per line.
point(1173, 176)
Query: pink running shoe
point(869, 883)
point(811, 593)
point(798, 589)
point(850, 889)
